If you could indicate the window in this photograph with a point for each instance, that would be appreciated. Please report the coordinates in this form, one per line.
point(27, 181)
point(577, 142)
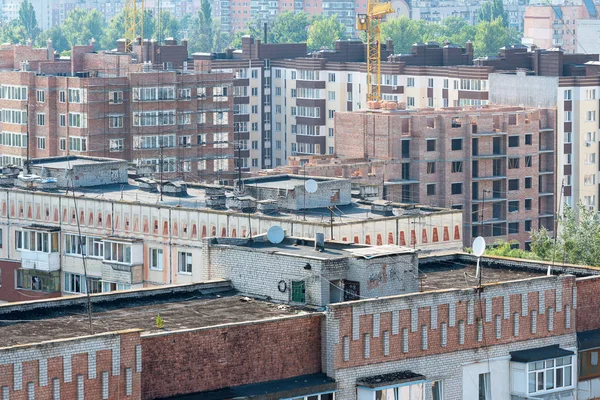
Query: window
point(457, 166)
point(117, 97)
point(184, 263)
point(76, 95)
point(156, 259)
point(117, 252)
point(9, 92)
point(115, 121)
point(457, 144)
point(331, 114)
point(528, 204)
point(184, 118)
point(62, 119)
point(183, 94)
point(278, 91)
point(220, 118)
point(513, 184)
point(95, 247)
point(12, 116)
point(513, 163)
point(330, 130)
point(77, 143)
point(485, 390)
point(431, 189)
point(528, 139)
point(331, 95)
point(62, 142)
point(513, 227)
point(590, 116)
point(430, 144)
point(568, 116)
point(40, 96)
point(513, 141)
point(41, 119)
point(410, 82)
point(78, 120)
point(513, 206)
point(255, 145)
point(254, 73)
point(220, 93)
point(255, 162)
point(41, 143)
point(528, 161)
point(457, 188)
point(62, 96)
point(431, 168)
point(549, 374)
point(115, 144)
point(331, 77)
point(159, 93)
point(588, 364)
point(528, 182)
point(331, 150)
point(527, 225)
point(74, 244)
point(254, 91)
point(221, 164)
point(277, 109)
point(567, 95)
point(590, 158)
point(410, 101)
point(430, 82)
point(298, 292)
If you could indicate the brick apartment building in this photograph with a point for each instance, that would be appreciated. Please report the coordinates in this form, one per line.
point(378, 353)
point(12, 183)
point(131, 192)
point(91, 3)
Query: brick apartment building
point(496, 164)
point(149, 107)
point(520, 334)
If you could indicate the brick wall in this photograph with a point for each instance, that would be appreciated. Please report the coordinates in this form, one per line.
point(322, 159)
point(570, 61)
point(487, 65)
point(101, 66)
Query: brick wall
point(8, 291)
point(230, 355)
point(588, 303)
point(109, 363)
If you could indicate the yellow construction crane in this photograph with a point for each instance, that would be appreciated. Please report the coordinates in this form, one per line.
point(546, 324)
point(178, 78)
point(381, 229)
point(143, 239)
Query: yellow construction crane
point(134, 22)
point(370, 22)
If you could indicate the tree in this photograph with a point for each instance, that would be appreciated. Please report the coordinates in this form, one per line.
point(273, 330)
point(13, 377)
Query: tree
point(324, 32)
point(114, 31)
point(491, 11)
point(491, 36)
point(289, 27)
point(578, 241)
point(81, 26)
point(203, 38)
point(59, 42)
point(404, 32)
point(28, 20)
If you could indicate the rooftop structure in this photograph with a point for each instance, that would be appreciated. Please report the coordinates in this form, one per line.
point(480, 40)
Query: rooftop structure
point(445, 338)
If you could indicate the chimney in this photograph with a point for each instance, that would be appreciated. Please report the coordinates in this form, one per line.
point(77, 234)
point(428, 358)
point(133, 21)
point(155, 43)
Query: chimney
point(50, 49)
point(319, 241)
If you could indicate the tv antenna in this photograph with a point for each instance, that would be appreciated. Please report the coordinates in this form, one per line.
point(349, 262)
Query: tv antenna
point(275, 234)
point(478, 250)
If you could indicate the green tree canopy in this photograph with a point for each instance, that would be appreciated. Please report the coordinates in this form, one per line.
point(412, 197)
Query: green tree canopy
point(202, 33)
point(323, 33)
point(404, 32)
point(289, 27)
point(491, 11)
point(59, 42)
point(28, 20)
point(491, 36)
point(81, 26)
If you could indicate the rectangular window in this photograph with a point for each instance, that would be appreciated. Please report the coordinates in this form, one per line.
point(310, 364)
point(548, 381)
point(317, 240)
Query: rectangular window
point(41, 142)
point(588, 364)
point(513, 227)
point(77, 143)
point(528, 139)
point(40, 96)
point(513, 141)
point(457, 144)
point(550, 374)
point(95, 247)
point(184, 263)
point(10, 92)
point(456, 188)
point(430, 144)
point(41, 119)
point(76, 95)
point(527, 225)
point(115, 145)
point(62, 96)
point(78, 120)
point(331, 95)
point(331, 114)
point(331, 77)
point(513, 206)
point(431, 189)
point(117, 252)
point(513, 184)
point(156, 259)
point(62, 118)
point(568, 116)
point(431, 168)
point(410, 82)
point(513, 163)
point(485, 389)
point(528, 182)
point(115, 97)
point(410, 101)
point(115, 121)
point(62, 142)
point(590, 116)
point(457, 166)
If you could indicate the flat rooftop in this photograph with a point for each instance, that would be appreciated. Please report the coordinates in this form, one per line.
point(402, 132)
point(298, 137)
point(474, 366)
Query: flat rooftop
point(302, 247)
point(69, 161)
point(197, 195)
point(190, 310)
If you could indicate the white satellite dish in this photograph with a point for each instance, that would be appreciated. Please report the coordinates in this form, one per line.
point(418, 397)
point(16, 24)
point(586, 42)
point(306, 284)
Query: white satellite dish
point(478, 250)
point(311, 186)
point(478, 246)
point(275, 234)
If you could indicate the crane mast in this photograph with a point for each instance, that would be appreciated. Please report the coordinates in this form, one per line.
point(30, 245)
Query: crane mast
point(371, 24)
point(134, 22)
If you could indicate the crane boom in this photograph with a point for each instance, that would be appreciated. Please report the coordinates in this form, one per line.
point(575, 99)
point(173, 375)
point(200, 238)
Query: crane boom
point(370, 22)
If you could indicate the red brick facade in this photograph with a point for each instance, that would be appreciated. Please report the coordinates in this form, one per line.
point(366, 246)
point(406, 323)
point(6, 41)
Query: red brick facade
point(208, 359)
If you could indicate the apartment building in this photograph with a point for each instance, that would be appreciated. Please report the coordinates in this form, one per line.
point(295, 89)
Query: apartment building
point(149, 107)
point(517, 334)
point(133, 237)
point(567, 26)
point(496, 164)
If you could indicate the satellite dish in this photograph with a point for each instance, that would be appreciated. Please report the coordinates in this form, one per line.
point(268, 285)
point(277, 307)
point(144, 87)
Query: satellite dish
point(275, 234)
point(311, 186)
point(478, 246)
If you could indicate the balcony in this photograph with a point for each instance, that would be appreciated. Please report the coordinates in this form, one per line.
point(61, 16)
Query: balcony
point(39, 248)
point(40, 260)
